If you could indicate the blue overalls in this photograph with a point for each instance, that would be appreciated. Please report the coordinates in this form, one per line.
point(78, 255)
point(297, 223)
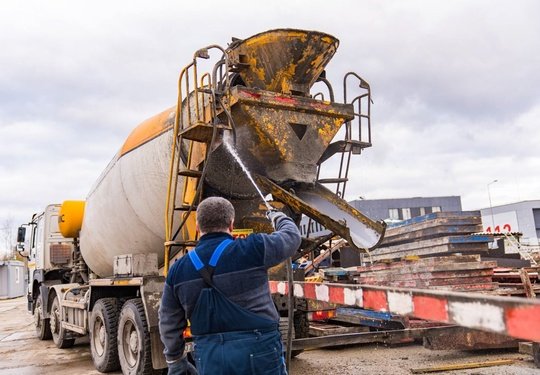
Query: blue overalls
point(230, 339)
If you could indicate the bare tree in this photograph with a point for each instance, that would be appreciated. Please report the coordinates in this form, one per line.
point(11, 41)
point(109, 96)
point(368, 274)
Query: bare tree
point(7, 238)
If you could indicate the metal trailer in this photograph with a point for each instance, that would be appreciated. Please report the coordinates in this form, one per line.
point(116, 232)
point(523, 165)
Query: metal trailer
point(511, 316)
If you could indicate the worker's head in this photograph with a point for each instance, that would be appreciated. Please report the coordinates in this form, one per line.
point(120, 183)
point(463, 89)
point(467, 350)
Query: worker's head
point(215, 214)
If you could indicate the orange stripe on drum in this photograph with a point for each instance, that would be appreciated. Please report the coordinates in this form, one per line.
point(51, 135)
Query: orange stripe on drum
point(148, 130)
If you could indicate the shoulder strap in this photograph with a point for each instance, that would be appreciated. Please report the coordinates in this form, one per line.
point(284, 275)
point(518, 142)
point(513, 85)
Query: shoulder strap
point(199, 266)
point(219, 250)
point(207, 272)
point(197, 262)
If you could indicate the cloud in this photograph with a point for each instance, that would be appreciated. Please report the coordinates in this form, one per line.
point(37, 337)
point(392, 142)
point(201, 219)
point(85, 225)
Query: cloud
point(454, 84)
point(454, 160)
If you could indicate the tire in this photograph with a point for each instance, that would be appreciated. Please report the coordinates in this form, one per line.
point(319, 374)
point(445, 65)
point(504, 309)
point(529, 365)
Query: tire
point(301, 329)
point(59, 334)
point(536, 353)
point(134, 348)
point(43, 328)
point(103, 332)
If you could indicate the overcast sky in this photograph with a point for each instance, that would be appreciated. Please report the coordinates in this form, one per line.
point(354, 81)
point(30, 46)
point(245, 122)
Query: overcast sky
point(455, 88)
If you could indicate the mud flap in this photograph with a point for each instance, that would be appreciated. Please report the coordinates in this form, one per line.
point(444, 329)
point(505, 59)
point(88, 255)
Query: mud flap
point(44, 295)
point(334, 213)
point(151, 291)
point(158, 358)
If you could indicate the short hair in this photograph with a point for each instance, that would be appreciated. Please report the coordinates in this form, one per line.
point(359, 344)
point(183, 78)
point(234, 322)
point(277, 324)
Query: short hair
point(214, 214)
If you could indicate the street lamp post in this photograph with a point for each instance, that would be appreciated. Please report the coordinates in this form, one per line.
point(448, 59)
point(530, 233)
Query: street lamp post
point(491, 206)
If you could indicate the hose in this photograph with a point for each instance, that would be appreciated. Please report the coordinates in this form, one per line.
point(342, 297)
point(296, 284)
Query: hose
point(290, 313)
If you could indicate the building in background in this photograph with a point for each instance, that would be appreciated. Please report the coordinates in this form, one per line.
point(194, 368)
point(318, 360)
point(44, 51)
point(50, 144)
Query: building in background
point(391, 210)
point(521, 217)
point(12, 279)
point(405, 208)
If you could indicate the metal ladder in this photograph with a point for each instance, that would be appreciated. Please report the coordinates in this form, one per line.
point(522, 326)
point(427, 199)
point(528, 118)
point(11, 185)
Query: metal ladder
point(195, 130)
point(357, 134)
point(517, 245)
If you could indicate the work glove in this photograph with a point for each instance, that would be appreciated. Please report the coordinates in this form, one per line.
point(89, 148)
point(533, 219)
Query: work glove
point(181, 367)
point(274, 216)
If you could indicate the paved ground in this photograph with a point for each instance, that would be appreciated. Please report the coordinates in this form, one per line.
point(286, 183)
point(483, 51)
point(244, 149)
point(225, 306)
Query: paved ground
point(23, 354)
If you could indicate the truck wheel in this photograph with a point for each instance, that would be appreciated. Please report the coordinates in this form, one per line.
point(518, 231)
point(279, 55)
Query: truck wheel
point(59, 334)
point(536, 353)
point(43, 328)
point(301, 329)
point(103, 335)
point(134, 349)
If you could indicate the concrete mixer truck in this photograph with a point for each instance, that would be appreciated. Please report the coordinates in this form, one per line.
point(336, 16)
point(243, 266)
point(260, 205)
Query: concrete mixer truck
point(98, 266)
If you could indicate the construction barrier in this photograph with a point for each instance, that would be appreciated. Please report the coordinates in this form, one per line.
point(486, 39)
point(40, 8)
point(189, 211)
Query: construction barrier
point(511, 316)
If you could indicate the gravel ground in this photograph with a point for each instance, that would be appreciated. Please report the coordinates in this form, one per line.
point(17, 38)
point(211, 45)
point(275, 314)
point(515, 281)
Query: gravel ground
point(375, 360)
point(22, 354)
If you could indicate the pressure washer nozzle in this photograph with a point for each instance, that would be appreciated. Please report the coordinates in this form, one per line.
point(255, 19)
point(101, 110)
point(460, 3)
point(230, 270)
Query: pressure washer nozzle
point(268, 206)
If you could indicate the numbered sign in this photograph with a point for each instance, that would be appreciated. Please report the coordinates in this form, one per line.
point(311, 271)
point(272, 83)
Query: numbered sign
point(241, 233)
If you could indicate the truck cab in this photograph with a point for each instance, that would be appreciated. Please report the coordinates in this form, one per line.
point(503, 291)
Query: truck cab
point(50, 259)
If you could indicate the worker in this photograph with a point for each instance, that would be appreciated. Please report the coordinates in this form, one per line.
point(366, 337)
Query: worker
point(222, 288)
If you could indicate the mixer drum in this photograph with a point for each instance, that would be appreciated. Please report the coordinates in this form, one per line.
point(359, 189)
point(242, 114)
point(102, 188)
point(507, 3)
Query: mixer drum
point(124, 211)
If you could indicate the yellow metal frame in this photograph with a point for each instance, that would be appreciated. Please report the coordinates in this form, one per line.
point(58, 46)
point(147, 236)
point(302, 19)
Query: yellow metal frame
point(189, 185)
point(173, 168)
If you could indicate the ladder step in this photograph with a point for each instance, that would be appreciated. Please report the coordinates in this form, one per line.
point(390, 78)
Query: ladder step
point(355, 147)
point(181, 243)
point(332, 180)
point(186, 207)
point(206, 91)
point(202, 132)
point(190, 173)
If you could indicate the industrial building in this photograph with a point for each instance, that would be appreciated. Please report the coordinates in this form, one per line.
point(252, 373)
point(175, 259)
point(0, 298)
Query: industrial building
point(406, 208)
point(523, 217)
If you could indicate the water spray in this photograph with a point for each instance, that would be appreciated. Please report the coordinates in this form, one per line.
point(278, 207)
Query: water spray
point(233, 152)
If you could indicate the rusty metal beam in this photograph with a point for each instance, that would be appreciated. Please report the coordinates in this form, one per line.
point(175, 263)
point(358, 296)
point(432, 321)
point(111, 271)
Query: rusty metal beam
point(386, 337)
point(467, 339)
point(526, 280)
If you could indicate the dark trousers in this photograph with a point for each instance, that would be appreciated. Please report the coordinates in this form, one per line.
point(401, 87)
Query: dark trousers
point(252, 352)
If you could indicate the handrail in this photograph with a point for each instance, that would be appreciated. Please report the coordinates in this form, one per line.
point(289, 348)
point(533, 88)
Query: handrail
point(206, 80)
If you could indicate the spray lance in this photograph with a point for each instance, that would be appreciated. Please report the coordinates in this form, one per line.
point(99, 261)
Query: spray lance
point(236, 157)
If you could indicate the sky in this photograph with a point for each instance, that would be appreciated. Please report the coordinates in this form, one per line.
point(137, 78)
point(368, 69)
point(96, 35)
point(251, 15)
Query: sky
point(454, 83)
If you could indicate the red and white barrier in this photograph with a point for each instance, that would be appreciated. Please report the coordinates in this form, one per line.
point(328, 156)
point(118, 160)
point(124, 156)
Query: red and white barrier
point(511, 316)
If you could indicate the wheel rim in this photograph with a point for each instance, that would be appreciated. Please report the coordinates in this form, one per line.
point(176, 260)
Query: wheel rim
point(99, 336)
point(55, 320)
point(37, 316)
point(130, 343)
